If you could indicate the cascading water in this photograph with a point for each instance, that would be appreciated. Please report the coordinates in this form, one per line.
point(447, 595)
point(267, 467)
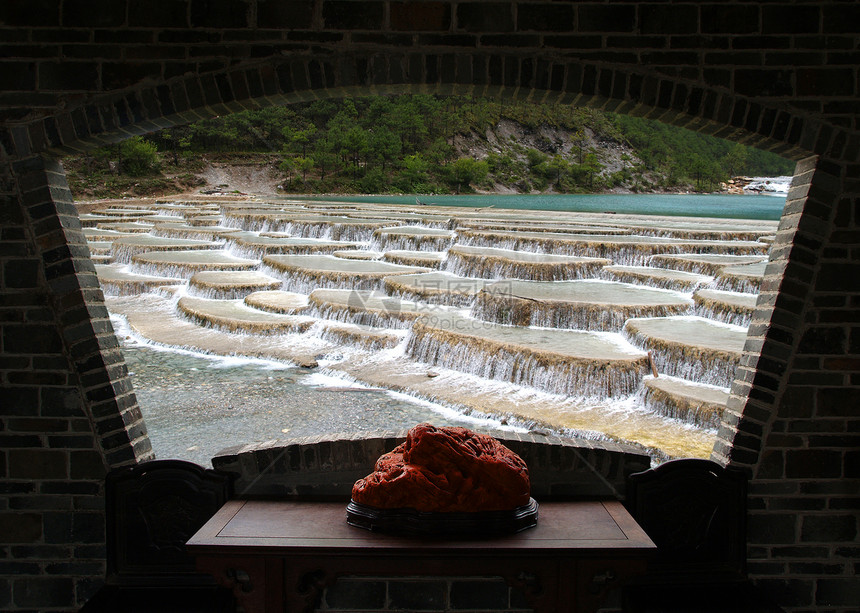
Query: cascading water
point(560, 304)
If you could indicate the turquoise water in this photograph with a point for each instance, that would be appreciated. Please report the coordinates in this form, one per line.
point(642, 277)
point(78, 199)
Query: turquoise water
point(696, 205)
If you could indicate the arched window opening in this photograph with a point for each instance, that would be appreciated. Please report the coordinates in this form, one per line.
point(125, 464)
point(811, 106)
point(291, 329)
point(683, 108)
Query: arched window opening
point(248, 312)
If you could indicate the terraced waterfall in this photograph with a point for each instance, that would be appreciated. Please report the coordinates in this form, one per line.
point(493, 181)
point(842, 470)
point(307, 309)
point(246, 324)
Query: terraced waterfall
point(609, 326)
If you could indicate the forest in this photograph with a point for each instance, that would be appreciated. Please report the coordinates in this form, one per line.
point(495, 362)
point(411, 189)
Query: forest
point(428, 145)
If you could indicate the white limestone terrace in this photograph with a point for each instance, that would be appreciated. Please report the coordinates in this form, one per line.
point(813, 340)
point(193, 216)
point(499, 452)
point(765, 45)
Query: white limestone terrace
point(426, 259)
point(303, 273)
point(278, 301)
point(100, 234)
point(119, 280)
point(690, 347)
point(253, 244)
point(703, 263)
point(187, 230)
point(731, 307)
point(135, 213)
point(185, 263)
point(430, 220)
point(358, 254)
point(494, 225)
point(230, 284)
point(691, 402)
point(372, 308)
point(125, 248)
point(570, 362)
point(437, 287)
point(412, 237)
point(387, 318)
point(127, 226)
point(99, 247)
point(666, 278)
point(628, 250)
point(304, 225)
point(496, 263)
point(236, 316)
point(741, 277)
point(585, 304)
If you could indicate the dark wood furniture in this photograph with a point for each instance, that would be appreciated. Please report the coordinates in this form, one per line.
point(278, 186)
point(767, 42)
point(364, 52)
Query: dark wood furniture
point(151, 509)
point(280, 555)
point(695, 511)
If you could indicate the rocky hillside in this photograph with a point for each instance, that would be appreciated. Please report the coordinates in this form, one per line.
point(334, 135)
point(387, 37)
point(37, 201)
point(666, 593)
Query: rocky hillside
point(417, 144)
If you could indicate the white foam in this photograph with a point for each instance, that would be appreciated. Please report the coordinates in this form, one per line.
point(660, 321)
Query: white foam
point(769, 186)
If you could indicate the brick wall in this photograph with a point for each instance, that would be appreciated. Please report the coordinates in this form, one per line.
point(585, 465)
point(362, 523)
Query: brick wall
point(67, 407)
point(800, 433)
point(779, 75)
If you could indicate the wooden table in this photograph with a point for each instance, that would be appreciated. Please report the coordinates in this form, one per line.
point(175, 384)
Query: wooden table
point(280, 555)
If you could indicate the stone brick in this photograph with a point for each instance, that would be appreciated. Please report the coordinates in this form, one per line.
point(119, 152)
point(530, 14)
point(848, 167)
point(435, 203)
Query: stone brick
point(37, 464)
point(160, 13)
point(829, 528)
point(66, 76)
point(835, 401)
point(800, 552)
point(545, 17)
point(21, 74)
point(284, 15)
point(826, 340)
point(43, 592)
point(788, 19)
point(764, 82)
point(807, 463)
point(420, 16)
point(43, 13)
point(213, 14)
point(772, 528)
point(485, 17)
point(832, 592)
point(606, 18)
point(360, 15)
point(20, 527)
point(788, 592)
point(829, 82)
point(680, 19)
point(733, 19)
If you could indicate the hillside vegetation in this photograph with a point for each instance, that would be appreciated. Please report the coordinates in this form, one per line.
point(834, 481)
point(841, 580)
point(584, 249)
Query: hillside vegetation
point(420, 144)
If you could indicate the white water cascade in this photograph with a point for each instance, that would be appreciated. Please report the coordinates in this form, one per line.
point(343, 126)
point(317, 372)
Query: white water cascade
point(623, 327)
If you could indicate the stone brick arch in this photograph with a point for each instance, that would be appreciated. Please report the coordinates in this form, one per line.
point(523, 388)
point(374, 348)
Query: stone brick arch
point(279, 81)
point(781, 76)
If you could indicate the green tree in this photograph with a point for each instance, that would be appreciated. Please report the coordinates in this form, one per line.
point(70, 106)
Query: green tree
point(301, 139)
point(557, 166)
point(139, 157)
point(735, 160)
point(592, 166)
point(303, 165)
point(373, 182)
point(287, 166)
point(466, 171)
point(355, 143)
point(324, 156)
point(413, 172)
point(385, 146)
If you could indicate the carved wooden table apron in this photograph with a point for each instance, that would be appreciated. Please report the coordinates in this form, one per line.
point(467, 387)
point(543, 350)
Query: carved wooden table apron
point(280, 555)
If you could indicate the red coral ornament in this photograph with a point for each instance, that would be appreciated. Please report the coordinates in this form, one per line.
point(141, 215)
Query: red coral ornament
point(446, 470)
